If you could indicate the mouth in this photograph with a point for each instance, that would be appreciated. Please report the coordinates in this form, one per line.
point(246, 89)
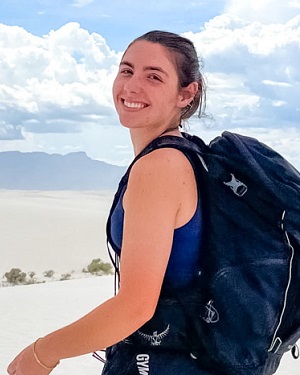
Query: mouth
point(134, 105)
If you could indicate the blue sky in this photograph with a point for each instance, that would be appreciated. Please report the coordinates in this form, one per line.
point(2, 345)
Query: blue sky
point(58, 60)
point(118, 21)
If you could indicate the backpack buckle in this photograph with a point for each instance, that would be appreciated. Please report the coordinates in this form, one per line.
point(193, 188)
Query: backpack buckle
point(276, 344)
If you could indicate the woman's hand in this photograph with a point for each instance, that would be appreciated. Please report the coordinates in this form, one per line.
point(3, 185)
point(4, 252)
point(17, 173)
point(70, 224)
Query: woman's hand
point(26, 364)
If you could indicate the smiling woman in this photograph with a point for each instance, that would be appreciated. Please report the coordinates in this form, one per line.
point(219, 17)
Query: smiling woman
point(155, 225)
point(152, 72)
point(145, 95)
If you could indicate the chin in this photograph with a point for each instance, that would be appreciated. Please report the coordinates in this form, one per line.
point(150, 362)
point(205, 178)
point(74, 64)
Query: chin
point(129, 124)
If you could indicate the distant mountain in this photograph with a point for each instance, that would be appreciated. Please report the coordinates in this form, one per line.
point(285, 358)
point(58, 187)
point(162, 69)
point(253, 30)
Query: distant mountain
point(41, 171)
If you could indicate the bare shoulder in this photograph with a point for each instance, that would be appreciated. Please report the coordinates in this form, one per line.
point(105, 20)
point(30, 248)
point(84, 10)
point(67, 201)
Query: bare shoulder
point(167, 162)
point(163, 181)
point(162, 176)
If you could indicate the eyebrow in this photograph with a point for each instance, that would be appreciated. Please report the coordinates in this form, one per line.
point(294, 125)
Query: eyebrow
point(150, 67)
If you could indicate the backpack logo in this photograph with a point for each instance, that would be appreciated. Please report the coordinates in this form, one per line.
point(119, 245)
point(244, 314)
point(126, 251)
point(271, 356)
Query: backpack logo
point(210, 313)
point(156, 338)
point(238, 187)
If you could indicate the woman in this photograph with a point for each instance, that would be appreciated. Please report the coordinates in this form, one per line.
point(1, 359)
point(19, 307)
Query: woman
point(158, 85)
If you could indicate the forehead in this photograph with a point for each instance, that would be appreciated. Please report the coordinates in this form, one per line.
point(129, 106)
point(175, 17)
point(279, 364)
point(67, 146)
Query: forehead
point(147, 53)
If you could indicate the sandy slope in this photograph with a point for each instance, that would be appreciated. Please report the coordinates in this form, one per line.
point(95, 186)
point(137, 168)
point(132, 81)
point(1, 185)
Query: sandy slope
point(59, 230)
point(31, 311)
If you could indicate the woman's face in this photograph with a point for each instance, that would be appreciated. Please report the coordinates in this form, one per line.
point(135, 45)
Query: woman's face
point(146, 90)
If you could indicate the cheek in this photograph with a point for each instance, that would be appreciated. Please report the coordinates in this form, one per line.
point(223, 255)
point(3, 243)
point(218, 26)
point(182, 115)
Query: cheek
point(115, 89)
point(171, 99)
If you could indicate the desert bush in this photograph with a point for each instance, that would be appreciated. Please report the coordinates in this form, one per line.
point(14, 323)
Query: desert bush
point(98, 267)
point(15, 276)
point(31, 279)
point(48, 273)
point(65, 276)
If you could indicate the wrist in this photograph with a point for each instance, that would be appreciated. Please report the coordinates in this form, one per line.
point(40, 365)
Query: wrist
point(42, 358)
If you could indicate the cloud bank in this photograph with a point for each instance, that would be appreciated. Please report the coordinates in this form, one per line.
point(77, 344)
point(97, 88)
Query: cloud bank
point(252, 73)
point(252, 70)
point(81, 3)
point(56, 83)
point(57, 87)
point(265, 11)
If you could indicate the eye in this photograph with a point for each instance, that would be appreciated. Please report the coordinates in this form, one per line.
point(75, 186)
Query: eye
point(155, 77)
point(126, 71)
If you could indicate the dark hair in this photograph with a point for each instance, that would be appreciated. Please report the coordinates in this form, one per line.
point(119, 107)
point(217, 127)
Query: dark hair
point(187, 65)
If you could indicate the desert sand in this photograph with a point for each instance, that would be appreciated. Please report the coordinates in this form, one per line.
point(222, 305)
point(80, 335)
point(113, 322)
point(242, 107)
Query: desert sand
point(52, 230)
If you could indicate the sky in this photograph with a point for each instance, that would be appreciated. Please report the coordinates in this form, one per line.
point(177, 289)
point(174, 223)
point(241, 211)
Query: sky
point(58, 60)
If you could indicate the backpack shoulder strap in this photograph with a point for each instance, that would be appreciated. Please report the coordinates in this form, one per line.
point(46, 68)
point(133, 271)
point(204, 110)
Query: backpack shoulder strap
point(191, 146)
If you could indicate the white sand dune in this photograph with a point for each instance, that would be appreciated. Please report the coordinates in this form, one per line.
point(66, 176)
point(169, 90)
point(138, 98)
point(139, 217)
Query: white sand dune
point(60, 231)
point(31, 311)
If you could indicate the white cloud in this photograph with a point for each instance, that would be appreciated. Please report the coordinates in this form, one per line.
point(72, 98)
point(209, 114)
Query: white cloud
point(55, 83)
point(251, 67)
point(266, 11)
point(294, 3)
point(82, 3)
point(273, 83)
point(252, 71)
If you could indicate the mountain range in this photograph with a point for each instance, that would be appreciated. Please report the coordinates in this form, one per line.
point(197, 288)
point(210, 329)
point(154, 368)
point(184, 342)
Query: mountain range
point(42, 171)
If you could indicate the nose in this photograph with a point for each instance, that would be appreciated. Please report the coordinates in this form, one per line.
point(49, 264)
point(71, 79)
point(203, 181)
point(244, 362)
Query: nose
point(133, 84)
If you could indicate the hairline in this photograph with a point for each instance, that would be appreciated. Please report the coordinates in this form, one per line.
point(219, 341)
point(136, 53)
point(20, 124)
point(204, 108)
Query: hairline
point(172, 54)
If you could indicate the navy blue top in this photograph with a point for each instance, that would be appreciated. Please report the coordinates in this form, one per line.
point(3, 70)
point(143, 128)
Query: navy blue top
point(184, 259)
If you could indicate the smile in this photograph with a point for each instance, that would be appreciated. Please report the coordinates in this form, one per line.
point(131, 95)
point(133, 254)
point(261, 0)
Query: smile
point(135, 105)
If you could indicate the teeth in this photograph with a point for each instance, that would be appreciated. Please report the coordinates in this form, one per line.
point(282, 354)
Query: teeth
point(134, 105)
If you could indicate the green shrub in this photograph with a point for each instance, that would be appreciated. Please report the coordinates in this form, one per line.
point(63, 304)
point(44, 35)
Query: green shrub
point(65, 276)
point(49, 273)
point(98, 267)
point(15, 276)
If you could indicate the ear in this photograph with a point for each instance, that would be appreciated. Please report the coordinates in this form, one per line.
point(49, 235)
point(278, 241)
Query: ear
point(187, 94)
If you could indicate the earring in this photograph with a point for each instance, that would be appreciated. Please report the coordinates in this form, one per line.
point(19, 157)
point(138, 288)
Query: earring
point(190, 104)
point(187, 108)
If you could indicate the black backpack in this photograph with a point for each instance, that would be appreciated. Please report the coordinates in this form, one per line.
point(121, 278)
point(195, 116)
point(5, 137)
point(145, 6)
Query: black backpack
point(248, 289)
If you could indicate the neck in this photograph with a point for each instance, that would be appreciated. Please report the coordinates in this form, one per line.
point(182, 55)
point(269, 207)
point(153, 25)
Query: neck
point(141, 138)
